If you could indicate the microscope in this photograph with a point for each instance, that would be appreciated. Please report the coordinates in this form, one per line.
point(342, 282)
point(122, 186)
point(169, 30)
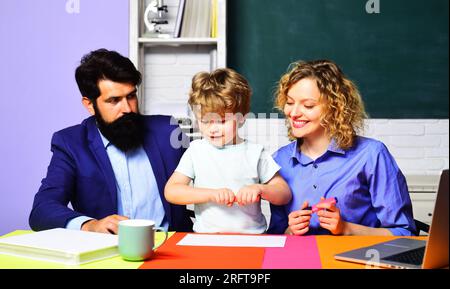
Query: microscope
point(155, 17)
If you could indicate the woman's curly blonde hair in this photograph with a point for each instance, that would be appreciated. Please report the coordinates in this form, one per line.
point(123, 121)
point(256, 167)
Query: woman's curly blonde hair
point(343, 114)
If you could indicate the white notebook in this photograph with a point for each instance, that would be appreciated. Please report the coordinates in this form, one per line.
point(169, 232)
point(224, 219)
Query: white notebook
point(64, 246)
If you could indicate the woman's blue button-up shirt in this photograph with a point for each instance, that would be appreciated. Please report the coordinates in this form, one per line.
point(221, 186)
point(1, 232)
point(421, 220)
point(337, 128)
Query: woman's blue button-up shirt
point(369, 187)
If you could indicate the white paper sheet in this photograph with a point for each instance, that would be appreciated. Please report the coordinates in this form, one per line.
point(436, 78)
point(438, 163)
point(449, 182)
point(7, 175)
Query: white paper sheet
point(232, 241)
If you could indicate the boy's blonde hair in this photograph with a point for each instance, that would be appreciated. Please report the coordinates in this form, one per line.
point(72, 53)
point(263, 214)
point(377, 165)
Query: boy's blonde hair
point(343, 113)
point(221, 91)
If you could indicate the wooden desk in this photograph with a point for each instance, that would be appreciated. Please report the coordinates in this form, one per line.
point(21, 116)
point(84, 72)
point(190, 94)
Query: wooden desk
point(313, 252)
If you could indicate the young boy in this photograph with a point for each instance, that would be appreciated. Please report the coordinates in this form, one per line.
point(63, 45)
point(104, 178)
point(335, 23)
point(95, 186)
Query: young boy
point(229, 174)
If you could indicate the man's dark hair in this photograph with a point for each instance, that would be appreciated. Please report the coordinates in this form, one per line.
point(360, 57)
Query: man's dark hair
point(104, 64)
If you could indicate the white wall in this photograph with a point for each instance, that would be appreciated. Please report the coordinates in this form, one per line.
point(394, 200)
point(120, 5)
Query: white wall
point(420, 147)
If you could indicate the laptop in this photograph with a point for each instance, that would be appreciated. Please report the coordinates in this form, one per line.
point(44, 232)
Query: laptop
point(408, 253)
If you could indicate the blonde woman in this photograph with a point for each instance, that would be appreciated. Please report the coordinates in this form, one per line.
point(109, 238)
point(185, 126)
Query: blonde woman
point(327, 159)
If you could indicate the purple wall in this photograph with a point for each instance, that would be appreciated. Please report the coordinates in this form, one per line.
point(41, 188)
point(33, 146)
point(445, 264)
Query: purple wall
point(40, 46)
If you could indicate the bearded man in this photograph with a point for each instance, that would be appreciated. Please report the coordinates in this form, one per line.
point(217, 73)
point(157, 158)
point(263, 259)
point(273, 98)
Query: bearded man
point(115, 164)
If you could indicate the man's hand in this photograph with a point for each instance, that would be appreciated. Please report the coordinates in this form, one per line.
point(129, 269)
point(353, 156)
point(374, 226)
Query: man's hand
point(222, 197)
point(108, 225)
point(249, 194)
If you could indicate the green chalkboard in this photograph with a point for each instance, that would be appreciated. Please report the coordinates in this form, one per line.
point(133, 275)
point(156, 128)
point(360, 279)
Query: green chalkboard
point(397, 57)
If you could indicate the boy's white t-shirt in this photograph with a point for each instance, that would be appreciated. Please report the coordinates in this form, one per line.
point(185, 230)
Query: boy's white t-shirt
point(232, 167)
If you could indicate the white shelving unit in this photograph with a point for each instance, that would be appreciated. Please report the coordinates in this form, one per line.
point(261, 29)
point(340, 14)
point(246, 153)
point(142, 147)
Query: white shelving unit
point(168, 64)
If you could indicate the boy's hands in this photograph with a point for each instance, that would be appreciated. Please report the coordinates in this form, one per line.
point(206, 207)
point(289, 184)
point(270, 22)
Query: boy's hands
point(222, 197)
point(249, 194)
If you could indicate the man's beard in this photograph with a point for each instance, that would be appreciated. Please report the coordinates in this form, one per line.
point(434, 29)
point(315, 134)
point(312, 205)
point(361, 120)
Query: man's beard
point(126, 133)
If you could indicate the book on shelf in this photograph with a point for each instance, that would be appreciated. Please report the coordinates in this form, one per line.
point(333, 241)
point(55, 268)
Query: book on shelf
point(69, 247)
point(198, 18)
point(188, 19)
point(214, 19)
point(177, 31)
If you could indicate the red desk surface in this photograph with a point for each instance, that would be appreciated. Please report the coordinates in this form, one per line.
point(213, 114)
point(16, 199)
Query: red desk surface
point(171, 256)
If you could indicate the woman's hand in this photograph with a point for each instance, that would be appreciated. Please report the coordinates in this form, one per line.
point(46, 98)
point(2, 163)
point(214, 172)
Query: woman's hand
point(299, 221)
point(330, 218)
point(249, 194)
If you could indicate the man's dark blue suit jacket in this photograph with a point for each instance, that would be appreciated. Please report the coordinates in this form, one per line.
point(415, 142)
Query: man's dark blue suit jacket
point(80, 173)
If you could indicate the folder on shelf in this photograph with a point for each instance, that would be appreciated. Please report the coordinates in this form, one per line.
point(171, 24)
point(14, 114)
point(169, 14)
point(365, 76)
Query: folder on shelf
point(64, 246)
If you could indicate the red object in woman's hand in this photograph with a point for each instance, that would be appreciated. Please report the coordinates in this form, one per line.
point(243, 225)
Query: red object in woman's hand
point(330, 201)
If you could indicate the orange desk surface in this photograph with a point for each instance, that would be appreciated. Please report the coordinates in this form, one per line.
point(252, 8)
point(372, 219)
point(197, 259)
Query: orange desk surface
point(332, 245)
